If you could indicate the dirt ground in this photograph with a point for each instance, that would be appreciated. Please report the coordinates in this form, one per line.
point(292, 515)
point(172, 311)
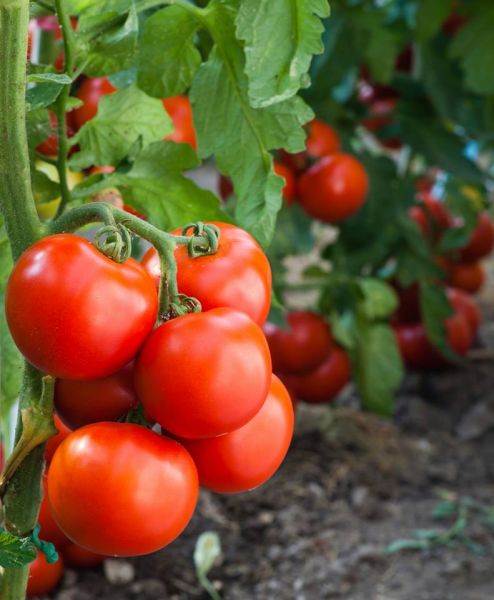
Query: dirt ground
point(350, 486)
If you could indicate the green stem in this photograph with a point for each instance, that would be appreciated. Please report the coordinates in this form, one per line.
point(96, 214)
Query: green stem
point(61, 104)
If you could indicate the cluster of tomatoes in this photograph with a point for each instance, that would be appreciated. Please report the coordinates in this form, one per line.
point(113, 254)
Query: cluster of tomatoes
point(307, 359)
point(463, 276)
point(330, 185)
point(222, 419)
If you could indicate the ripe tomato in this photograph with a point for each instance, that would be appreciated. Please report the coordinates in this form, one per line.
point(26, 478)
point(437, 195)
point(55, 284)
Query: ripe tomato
point(289, 187)
point(180, 111)
point(54, 442)
point(380, 116)
point(50, 531)
point(325, 382)
point(469, 277)
point(481, 241)
point(334, 188)
point(238, 275)
point(43, 576)
point(204, 374)
point(408, 310)
point(121, 490)
point(76, 556)
point(90, 92)
point(80, 403)
point(302, 347)
point(432, 215)
point(322, 139)
point(76, 314)
point(465, 304)
point(249, 456)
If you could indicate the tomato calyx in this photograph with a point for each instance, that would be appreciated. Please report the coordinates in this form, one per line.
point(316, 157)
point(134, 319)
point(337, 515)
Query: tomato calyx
point(204, 239)
point(115, 242)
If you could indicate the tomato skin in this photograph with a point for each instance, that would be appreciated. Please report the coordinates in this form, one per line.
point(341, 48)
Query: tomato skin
point(90, 92)
point(73, 312)
point(289, 189)
point(302, 347)
point(50, 531)
point(247, 457)
point(465, 304)
point(54, 442)
point(180, 111)
point(43, 576)
point(325, 382)
point(469, 277)
point(119, 489)
point(80, 403)
point(76, 556)
point(408, 310)
point(238, 275)
point(204, 374)
point(334, 188)
point(481, 241)
point(322, 139)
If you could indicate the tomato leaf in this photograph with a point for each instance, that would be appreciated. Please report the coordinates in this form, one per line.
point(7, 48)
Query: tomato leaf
point(229, 128)
point(170, 70)
point(430, 16)
point(42, 95)
point(38, 126)
point(277, 61)
point(379, 298)
point(124, 118)
point(14, 551)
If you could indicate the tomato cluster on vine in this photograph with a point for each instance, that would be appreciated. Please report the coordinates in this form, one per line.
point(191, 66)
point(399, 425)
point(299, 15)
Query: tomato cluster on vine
point(149, 406)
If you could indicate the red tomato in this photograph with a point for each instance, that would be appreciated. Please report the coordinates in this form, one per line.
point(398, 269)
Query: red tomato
point(481, 241)
point(103, 169)
point(289, 187)
point(380, 116)
point(80, 403)
point(121, 490)
point(50, 531)
point(180, 111)
point(303, 346)
point(325, 382)
point(322, 139)
point(43, 576)
point(132, 211)
point(408, 310)
point(76, 314)
point(238, 275)
point(247, 457)
point(469, 277)
point(454, 23)
point(334, 188)
point(466, 305)
point(54, 442)
point(204, 374)
point(432, 215)
point(225, 187)
point(76, 556)
point(90, 92)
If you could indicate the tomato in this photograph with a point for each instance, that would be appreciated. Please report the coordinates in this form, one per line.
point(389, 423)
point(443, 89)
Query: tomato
point(104, 169)
point(334, 188)
point(481, 241)
point(303, 346)
point(180, 111)
point(454, 23)
point(325, 382)
point(80, 403)
point(289, 187)
point(322, 139)
point(90, 92)
point(225, 187)
point(465, 304)
point(238, 275)
point(408, 310)
point(43, 576)
point(50, 531)
point(54, 442)
point(76, 314)
point(381, 116)
point(431, 215)
point(119, 489)
point(249, 456)
point(76, 556)
point(469, 277)
point(49, 146)
point(204, 374)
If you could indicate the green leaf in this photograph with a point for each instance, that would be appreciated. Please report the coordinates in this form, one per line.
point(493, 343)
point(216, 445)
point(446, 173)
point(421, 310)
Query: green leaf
point(430, 16)
point(14, 551)
point(60, 78)
point(377, 366)
point(444, 509)
point(400, 545)
point(170, 70)
point(280, 39)
point(381, 51)
point(44, 188)
point(124, 118)
point(155, 186)
point(42, 95)
point(229, 128)
point(115, 49)
point(473, 45)
point(38, 126)
point(380, 300)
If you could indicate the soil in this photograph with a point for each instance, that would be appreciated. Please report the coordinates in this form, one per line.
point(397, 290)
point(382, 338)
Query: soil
point(350, 486)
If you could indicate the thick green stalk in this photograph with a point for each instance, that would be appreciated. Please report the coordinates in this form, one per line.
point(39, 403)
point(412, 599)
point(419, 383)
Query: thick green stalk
point(23, 495)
